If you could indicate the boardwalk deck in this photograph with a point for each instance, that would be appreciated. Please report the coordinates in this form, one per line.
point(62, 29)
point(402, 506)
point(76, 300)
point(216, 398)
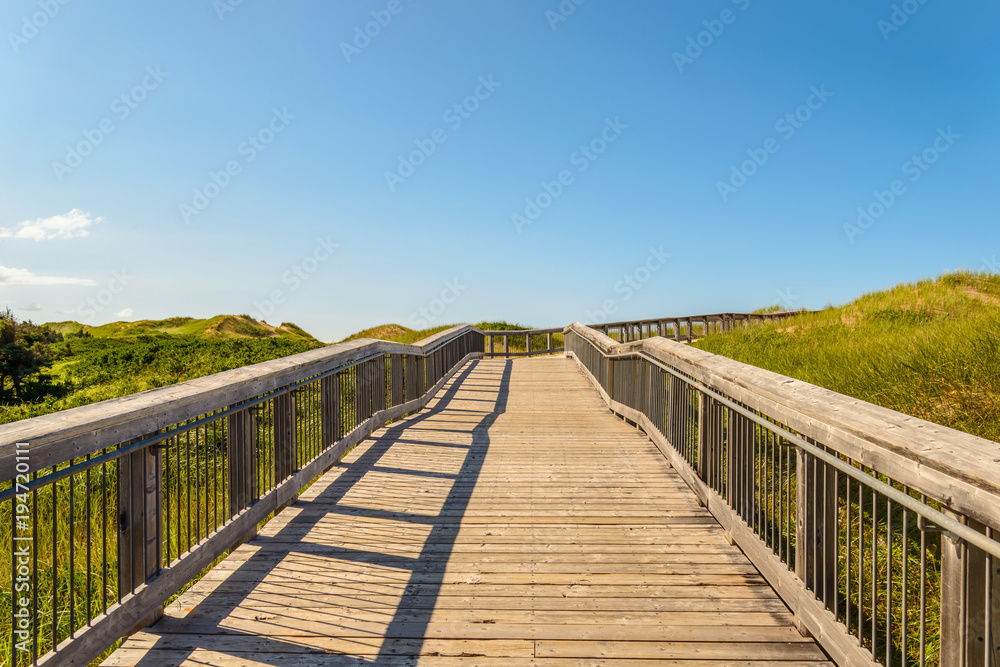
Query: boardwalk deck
point(513, 522)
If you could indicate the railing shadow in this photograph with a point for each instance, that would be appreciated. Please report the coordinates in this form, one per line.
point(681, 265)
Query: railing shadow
point(412, 612)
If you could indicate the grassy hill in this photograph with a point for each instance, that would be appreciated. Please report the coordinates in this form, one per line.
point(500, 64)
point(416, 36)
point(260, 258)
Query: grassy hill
point(400, 334)
point(97, 363)
point(929, 349)
point(220, 326)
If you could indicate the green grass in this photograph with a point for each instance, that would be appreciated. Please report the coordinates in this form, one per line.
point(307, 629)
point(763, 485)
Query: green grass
point(927, 349)
point(220, 326)
point(97, 369)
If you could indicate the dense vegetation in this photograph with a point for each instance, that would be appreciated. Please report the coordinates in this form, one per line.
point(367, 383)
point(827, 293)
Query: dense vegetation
point(88, 364)
point(25, 352)
point(928, 349)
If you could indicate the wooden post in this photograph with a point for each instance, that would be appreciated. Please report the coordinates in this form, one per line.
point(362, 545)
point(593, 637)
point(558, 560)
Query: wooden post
point(506, 348)
point(527, 344)
point(420, 375)
point(677, 330)
point(330, 403)
point(139, 488)
point(731, 447)
point(241, 447)
point(396, 379)
point(815, 526)
point(411, 375)
point(241, 455)
point(285, 449)
point(611, 379)
point(493, 340)
point(548, 341)
point(702, 435)
point(378, 384)
point(964, 585)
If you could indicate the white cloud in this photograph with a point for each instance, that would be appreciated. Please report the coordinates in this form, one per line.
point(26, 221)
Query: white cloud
point(66, 226)
point(33, 308)
point(125, 313)
point(12, 276)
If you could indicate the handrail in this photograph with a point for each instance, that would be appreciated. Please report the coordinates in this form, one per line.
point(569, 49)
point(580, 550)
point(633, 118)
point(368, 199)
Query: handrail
point(521, 336)
point(776, 460)
point(682, 328)
point(92, 427)
point(790, 470)
point(241, 444)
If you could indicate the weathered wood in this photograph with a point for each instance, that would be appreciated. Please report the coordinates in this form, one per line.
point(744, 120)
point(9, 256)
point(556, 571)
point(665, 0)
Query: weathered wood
point(73, 433)
point(815, 526)
point(241, 447)
point(104, 630)
point(139, 489)
point(396, 379)
point(970, 581)
point(285, 436)
point(813, 617)
point(330, 418)
point(484, 520)
point(960, 469)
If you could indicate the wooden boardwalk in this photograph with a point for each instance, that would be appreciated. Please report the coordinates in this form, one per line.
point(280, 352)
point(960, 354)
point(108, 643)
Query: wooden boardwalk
point(515, 521)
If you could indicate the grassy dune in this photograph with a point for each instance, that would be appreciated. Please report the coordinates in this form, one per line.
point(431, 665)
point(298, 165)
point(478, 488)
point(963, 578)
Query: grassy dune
point(97, 363)
point(929, 349)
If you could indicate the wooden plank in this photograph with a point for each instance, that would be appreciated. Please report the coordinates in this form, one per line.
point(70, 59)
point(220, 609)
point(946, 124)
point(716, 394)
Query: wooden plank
point(482, 528)
point(812, 615)
point(944, 463)
point(104, 630)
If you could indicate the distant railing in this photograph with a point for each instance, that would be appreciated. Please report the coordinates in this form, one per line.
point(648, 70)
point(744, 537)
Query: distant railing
point(523, 343)
point(686, 328)
point(112, 508)
point(879, 530)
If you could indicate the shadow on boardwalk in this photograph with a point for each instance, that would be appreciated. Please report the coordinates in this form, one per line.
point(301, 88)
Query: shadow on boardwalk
point(165, 644)
point(515, 523)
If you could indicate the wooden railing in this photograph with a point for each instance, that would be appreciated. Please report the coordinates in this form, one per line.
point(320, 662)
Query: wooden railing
point(523, 342)
point(687, 328)
point(112, 508)
point(879, 530)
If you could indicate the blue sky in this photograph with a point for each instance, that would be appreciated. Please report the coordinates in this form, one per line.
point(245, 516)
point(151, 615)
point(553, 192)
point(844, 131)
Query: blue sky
point(345, 164)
